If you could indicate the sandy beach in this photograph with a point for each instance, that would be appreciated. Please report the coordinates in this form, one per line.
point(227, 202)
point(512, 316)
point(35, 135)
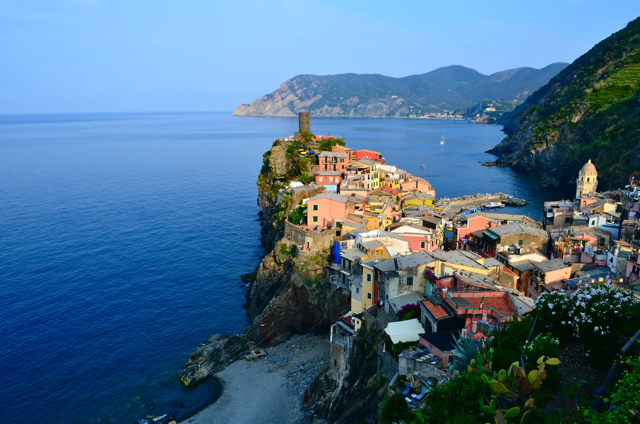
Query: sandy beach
point(269, 390)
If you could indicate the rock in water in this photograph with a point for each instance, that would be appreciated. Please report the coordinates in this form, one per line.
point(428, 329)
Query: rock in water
point(219, 351)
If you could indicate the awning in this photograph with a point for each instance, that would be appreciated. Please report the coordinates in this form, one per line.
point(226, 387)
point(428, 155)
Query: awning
point(404, 331)
point(491, 235)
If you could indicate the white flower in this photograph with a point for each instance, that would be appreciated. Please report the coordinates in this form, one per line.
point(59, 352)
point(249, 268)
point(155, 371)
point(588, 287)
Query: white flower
point(553, 313)
point(596, 328)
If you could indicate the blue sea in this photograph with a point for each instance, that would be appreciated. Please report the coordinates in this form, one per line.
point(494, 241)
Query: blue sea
point(123, 236)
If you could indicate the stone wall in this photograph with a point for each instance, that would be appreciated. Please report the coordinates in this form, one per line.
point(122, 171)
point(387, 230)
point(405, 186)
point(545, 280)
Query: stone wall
point(307, 239)
point(338, 362)
point(407, 366)
point(300, 194)
point(387, 365)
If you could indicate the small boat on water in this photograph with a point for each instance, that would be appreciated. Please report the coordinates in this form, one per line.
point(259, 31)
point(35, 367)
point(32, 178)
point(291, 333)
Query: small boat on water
point(423, 166)
point(493, 205)
point(442, 141)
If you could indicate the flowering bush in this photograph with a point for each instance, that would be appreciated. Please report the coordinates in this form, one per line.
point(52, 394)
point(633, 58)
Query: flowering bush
point(408, 312)
point(598, 316)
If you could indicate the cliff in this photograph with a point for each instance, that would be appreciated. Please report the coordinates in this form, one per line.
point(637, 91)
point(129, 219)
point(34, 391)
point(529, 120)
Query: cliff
point(284, 298)
point(590, 110)
point(372, 95)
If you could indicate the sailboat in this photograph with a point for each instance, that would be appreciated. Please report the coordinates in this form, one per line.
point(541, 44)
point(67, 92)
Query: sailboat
point(442, 141)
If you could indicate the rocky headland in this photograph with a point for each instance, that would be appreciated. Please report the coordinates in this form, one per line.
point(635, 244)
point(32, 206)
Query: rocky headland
point(590, 110)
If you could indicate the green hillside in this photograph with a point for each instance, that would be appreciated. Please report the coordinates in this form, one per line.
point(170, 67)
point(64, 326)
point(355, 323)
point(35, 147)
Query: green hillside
point(590, 110)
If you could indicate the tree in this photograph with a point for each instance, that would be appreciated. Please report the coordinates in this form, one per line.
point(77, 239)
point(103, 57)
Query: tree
point(306, 137)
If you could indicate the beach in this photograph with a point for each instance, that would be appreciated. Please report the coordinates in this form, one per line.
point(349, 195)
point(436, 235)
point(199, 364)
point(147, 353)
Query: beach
point(269, 390)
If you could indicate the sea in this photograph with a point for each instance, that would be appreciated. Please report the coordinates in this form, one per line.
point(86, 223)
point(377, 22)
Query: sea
point(123, 237)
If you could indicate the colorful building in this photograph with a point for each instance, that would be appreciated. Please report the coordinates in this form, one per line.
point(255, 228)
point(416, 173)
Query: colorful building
point(326, 209)
point(333, 161)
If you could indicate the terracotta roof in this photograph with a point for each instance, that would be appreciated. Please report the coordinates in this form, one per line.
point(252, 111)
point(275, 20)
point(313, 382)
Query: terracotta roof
point(498, 303)
point(437, 311)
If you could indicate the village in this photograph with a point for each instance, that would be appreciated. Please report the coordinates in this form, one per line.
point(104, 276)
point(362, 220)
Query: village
point(430, 279)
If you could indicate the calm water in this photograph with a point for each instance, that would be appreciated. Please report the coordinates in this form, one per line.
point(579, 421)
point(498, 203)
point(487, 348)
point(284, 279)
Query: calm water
point(122, 237)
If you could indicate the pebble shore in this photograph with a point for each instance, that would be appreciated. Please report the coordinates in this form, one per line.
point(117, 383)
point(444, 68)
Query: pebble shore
point(269, 390)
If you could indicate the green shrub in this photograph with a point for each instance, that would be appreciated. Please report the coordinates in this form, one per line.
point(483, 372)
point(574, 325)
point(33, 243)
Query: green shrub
point(457, 401)
point(395, 409)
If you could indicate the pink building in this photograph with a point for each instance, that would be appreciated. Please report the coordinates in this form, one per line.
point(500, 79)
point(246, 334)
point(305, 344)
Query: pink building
point(418, 184)
point(325, 209)
point(327, 177)
point(333, 161)
point(466, 225)
point(368, 154)
point(547, 273)
point(419, 238)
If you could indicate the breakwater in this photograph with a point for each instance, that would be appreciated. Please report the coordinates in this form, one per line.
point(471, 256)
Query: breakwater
point(450, 207)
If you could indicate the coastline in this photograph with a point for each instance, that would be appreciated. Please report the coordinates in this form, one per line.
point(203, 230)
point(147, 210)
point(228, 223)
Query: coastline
point(269, 389)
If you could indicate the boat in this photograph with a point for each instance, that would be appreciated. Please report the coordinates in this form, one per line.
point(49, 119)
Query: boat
point(493, 205)
point(423, 166)
point(442, 141)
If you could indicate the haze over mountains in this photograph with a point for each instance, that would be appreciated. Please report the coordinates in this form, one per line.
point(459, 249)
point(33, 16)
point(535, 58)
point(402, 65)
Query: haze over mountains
point(445, 90)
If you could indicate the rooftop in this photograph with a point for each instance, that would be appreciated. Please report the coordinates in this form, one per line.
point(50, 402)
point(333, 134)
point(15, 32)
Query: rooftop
point(333, 154)
point(436, 311)
point(514, 228)
point(472, 300)
point(353, 254)
point(551, 265)
point(329, 195)
point(523, 266)
point(409, 298)
point(455, 257)
point(328, 173)
point(443, 341)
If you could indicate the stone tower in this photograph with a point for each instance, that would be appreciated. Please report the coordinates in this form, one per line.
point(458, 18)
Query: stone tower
point(304, 122)
point(587, 180)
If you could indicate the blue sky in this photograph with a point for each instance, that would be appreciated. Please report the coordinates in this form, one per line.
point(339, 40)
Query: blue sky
point(154, 55)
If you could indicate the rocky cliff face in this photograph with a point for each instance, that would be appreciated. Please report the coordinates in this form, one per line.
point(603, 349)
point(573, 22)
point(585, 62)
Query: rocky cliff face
point(283, 299)
point(590, 110)
point(353, 95)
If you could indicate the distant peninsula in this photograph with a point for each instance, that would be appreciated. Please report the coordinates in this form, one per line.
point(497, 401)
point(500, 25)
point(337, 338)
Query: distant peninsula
point(449, 92)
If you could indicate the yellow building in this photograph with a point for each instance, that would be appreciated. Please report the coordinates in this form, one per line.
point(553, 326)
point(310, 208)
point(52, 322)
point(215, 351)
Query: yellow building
point(363, 288)
point(419, 199)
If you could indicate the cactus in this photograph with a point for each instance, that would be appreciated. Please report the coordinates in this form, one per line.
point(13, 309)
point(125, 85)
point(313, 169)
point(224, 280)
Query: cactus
point(514, 387)
point(482, 365)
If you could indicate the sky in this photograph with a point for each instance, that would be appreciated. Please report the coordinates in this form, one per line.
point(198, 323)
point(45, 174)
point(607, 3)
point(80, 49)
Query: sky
point(81, 56)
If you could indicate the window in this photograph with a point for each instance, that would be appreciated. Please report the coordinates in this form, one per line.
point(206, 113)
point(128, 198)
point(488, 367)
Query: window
point(369, 296)
point(422, 245)
point(567, 220)
point(520, 242)
point(315, 219)
point(319, 178)
point(369, 277)
point(409, 281)
point(357, 290)
point(334, 167)
point(315, 207)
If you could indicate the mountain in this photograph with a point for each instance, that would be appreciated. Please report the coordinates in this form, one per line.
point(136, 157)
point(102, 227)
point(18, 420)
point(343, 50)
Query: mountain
point(442, 90)
point(590, 110)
